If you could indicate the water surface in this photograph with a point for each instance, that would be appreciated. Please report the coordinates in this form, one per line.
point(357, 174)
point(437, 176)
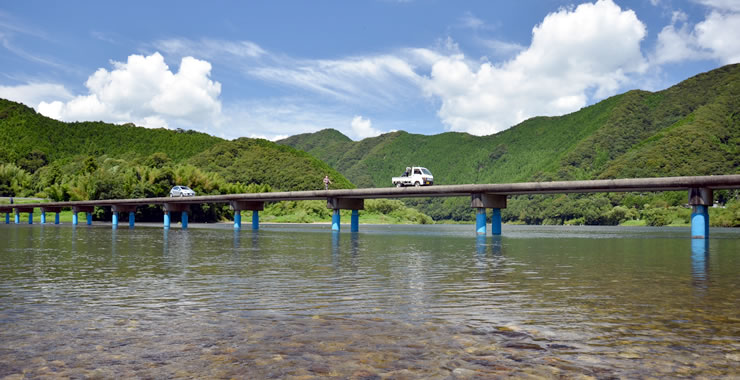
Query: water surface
point(298, 301)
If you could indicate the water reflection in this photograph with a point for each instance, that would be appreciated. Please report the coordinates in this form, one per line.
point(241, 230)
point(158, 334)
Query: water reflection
point(237, 239)
point(393, 302)
point(492, 244)
point(700, 262)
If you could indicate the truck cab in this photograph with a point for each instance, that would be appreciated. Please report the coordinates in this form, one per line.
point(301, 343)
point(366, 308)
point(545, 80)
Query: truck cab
point(414, 176)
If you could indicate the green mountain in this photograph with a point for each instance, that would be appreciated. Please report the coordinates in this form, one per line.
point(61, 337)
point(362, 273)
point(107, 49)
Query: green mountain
point(692, 128)
point(37, 152)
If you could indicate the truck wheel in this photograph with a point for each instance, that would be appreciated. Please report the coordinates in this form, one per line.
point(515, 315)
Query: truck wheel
point(399, 184)
point(417, 184)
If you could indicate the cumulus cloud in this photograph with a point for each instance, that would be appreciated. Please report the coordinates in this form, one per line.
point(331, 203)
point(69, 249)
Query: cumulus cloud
point(575, 52)
point(713, 38)
point(143, 90)
point(363, 128)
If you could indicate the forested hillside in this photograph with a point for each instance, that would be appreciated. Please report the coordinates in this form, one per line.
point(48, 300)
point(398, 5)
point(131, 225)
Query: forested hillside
point(692, 128)
point(43, 157)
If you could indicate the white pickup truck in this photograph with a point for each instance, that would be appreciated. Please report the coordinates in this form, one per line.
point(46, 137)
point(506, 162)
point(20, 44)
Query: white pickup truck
point(414, 176)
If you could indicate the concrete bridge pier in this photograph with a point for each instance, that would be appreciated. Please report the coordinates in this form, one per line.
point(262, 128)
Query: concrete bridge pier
point(55, 210)
point(88, 210)
point(700, 200)
point(116, 209)
point(338, 204)
point(19, 210)
point(254, 206)
point(483, 201)
point(184, 208)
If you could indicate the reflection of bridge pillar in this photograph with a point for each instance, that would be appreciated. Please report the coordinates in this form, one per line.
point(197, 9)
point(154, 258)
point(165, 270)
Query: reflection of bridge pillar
point(699, 259)
point(337, 204)
point(254, 206)
point(700, 200)
point(482, 201)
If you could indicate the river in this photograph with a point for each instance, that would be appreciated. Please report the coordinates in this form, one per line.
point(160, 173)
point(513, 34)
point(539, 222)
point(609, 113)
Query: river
point(389, 302)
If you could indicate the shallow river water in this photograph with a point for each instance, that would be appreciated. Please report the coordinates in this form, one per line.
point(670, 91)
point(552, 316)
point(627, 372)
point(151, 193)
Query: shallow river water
point(389, 302)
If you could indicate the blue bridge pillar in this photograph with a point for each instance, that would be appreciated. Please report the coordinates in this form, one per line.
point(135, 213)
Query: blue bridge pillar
point(482, 201)
point(237, 220)
point(496, 222)
point(116, 211)
point(88, 210)
point(43, 216)
point(56, 217)
point(19, 210)
point(338, 204)
point(355, 221)
point(7, 218)
point(700, 200)
point(255, 220)
point(166, 219)
point(169, 208)
point(54, 209)
point(254, 206)
point(480, 221)
point(336, 220)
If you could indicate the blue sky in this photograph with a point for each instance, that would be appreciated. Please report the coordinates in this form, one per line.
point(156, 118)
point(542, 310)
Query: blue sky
point(272, 69)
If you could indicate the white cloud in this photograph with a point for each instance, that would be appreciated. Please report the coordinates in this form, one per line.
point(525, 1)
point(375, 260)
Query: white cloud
point(363, 128)
point(729, 5)
point(33, 93)
point(143, 90)
point(592, 48)
point(380, 80)
point(713, 38)
point(210, 48)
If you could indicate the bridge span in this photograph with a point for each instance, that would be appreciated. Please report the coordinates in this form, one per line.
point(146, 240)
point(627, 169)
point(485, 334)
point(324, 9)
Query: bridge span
point(483, 196)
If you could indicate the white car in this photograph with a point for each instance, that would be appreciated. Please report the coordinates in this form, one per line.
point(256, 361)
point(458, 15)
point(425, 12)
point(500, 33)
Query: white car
point(182, 191)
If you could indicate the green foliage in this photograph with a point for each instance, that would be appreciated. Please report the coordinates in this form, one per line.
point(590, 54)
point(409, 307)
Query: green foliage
point(690, 129)
point(28, 138)
point(14, 181)
point(264, 162)
point(376, 210)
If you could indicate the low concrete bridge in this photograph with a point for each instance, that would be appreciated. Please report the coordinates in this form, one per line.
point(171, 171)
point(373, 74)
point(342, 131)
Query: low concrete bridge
point(483, 196)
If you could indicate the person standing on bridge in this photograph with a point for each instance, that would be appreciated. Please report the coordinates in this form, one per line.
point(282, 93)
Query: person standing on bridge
point(327, 181)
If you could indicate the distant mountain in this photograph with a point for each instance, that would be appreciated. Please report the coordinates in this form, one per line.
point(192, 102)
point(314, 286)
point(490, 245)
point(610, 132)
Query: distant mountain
point(692, 128)
point(33, 142)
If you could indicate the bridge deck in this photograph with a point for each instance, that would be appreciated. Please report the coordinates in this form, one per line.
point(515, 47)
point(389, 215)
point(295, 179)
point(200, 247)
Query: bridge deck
point(607, 185)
